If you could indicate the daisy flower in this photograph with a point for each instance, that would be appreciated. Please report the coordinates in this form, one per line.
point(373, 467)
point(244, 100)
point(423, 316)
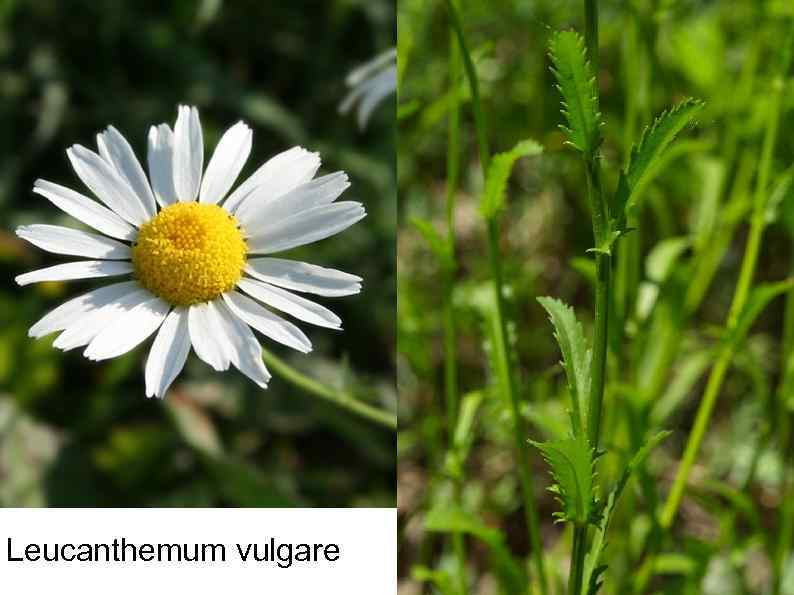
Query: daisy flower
point(370, 84)
point(191, 250)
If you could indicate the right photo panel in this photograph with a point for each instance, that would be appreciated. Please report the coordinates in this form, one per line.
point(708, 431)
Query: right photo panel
point(595, 297)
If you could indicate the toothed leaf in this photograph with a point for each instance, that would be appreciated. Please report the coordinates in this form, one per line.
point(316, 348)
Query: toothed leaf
point(576, 357)
point(576, 83)
point(498, 173)
point(571, 462)
point(646, 155)
point(593, 571)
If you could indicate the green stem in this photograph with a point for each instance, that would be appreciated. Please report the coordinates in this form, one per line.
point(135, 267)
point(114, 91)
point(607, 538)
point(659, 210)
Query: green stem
point(695, 438)
point(600, 217)
point(453, 174)
point(450, 323)
point(578, 553)
point(743, 285)
point(504, 367)
point(340, 398)
point(474, 86)
point(784, 396)
point(600, 335)
point(507, 384)
point(591, 33)
point(786, 528)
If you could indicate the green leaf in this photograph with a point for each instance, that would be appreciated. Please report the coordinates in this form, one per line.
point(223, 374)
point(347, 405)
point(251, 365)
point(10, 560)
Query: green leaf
point(693, 366)
point(440, 579)
point(571, 462)
point(467, 416)
point(577, 85)
point(592, 569)
point(576, 356)
point(195, 425)
point(605, 246)
point(778, 197)
point(511, 575)
point(464, 433)
point(757, 301)
point(664, 256)
point(646, 155)
point(440, 248)
point(493, 198)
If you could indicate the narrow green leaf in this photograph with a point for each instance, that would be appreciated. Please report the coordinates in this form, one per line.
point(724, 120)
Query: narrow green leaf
point(693, 366)
point(592, 569)
point(576, 356)
point(758, 300)
point(779, 205)
point(576, 83)
point(493, 198)
point(664, 256)
point(440, 579)
point(464, 433)
point(469, 406)
point(660, 263)
point(511, 575)
point(646, 155)
point(438, 245)
point(571, 462)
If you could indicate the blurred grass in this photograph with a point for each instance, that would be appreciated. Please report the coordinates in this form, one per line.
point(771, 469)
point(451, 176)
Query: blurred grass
point(654, 53)
point(75, 433)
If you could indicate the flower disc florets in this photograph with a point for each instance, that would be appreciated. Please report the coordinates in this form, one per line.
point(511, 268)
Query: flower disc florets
point(189, 253)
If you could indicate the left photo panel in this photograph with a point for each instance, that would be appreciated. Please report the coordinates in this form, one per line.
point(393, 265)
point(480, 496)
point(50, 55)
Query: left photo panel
point(197, 306)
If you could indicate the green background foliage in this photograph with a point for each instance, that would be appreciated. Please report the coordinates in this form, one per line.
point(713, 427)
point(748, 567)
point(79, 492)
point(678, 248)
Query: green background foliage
point(692, 215)
point(77, 433)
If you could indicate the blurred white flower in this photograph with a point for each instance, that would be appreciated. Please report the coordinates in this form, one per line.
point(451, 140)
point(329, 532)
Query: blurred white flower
point(370, 84)
point(189, 255)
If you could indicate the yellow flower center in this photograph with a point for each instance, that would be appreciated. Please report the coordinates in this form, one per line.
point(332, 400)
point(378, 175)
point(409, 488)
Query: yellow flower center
point(189, 253)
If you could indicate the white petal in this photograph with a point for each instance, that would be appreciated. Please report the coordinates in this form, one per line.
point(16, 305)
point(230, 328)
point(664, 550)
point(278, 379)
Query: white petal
point(228, 159)
point(161, 163)
point(306, 227)
point(317, 192)
point(115, 149)
point(85, 328)
point(302, 276)
point(70, 312)
point(188, 154)
point(366, 70)
point(107, 185)
point(266, 322)
point(373, 91)
point(85, 210)
point(276, 177)
point(241, 346)
point(378, 88)
point(64, 240)
point(168, 353)
point(128, 330)
point(86, 269)
point(205, 335)
point(292, 304)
